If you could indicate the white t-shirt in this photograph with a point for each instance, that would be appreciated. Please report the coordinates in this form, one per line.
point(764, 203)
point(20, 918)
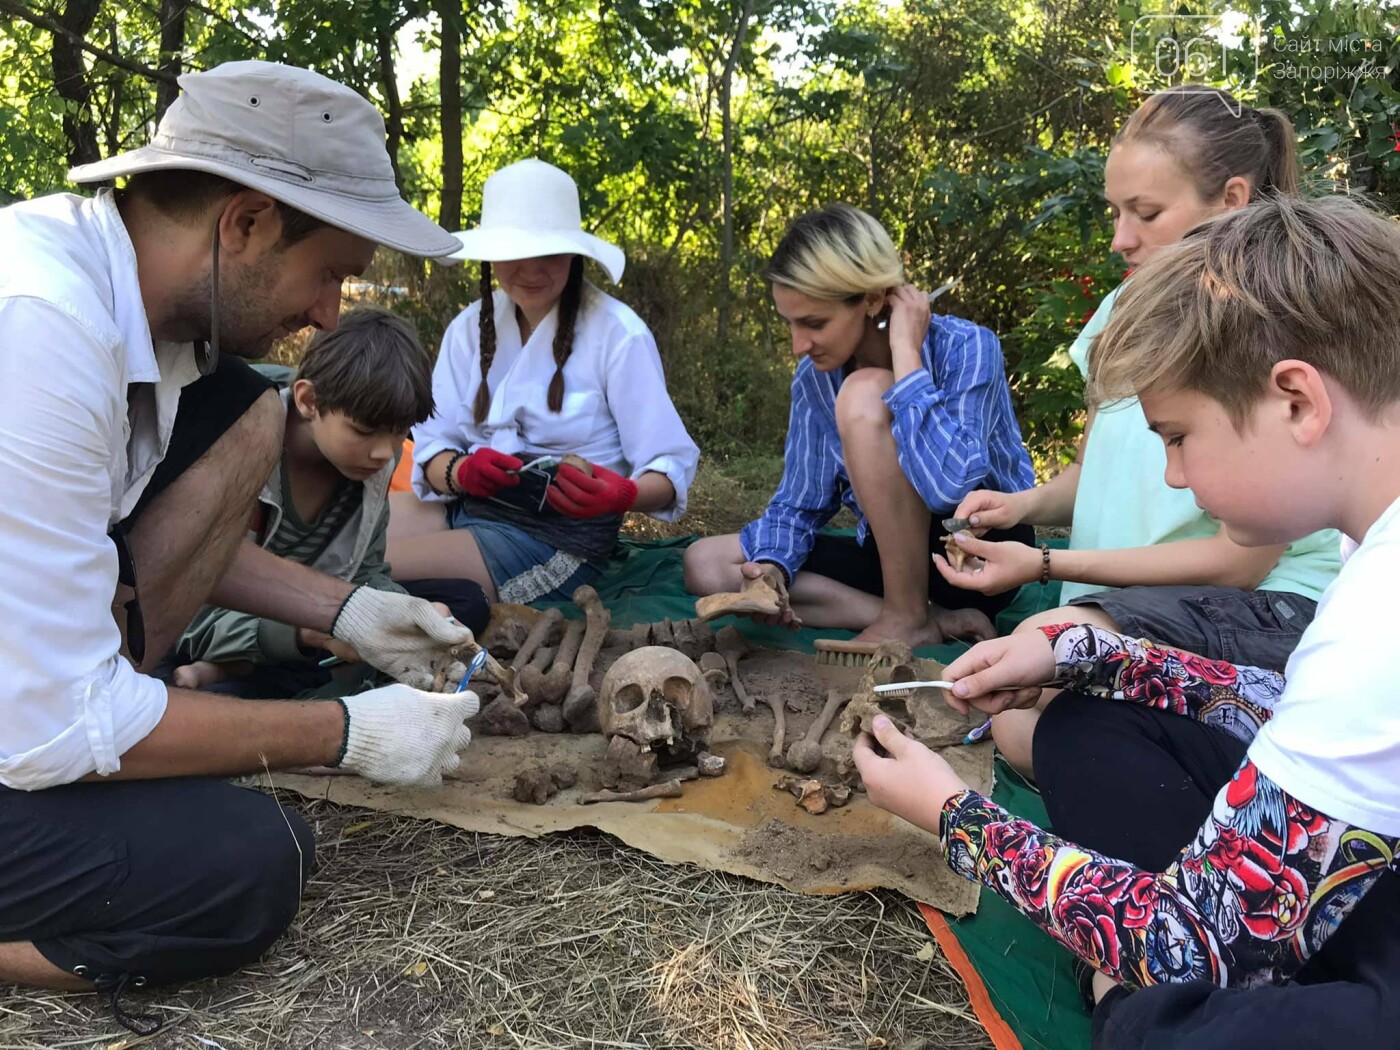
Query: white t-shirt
point(87, 404)
point(1334, 740)
point(616, 410)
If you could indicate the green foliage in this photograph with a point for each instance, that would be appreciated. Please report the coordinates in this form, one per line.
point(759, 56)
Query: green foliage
point(976, 130)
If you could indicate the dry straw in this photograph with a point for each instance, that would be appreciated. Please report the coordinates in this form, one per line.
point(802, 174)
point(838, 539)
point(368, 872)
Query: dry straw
point(416, 935)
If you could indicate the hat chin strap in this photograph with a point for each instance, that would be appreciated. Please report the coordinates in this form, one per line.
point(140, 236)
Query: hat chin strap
point(206, 352)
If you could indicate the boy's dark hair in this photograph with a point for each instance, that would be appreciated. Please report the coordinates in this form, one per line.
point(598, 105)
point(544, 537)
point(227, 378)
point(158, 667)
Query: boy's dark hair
point(373, 369)
point(183, 195)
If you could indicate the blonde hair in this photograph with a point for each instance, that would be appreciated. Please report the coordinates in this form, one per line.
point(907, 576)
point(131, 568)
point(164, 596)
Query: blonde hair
point(1199, 126)
point(1287, 278)
point(836, 253)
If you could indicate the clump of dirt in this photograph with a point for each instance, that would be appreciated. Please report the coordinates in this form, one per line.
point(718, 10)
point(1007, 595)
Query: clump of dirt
point(541, 783)
point(792, 853)
point(501, 718)
point(802, 693)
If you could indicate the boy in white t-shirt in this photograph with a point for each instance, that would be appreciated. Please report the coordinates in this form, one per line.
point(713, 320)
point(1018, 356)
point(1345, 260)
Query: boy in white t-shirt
point(1265, 350)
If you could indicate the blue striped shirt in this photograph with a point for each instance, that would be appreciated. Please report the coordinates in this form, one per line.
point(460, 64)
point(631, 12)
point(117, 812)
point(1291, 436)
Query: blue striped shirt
point(954, 432)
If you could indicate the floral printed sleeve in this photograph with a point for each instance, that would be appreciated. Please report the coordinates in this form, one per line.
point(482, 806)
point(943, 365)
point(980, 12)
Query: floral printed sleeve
point(1266, 881)
point(1235, 700)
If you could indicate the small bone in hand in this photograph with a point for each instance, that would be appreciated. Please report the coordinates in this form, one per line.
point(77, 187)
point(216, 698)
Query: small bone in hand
point(957, 557)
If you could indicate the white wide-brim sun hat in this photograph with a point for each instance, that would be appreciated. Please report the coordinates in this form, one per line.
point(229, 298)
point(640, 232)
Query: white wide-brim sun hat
point(530, 209)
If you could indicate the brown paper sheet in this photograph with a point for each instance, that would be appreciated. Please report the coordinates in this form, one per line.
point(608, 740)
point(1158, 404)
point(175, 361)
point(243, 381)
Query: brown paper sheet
point(738, 823)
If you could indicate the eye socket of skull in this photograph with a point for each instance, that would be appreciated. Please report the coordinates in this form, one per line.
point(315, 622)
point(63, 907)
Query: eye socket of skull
point(628, 698)
point(677, 690)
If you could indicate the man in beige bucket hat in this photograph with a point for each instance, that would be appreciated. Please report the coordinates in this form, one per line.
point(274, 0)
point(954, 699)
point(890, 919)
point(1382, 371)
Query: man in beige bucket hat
point(130, 456)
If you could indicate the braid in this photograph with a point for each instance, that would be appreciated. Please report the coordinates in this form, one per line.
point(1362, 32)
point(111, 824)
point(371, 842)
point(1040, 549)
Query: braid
point(564, 331)
point(487, 339)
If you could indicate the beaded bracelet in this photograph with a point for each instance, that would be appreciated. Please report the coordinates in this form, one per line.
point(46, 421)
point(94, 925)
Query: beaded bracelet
point(452, 489)
point(1044, 564)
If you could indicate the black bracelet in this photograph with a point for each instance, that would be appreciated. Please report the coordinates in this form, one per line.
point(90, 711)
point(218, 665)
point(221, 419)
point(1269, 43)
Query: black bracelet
point(1044, 564)
point(451, 477)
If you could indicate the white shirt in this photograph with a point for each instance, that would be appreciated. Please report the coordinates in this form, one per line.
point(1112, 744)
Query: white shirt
point(1334, 739)
point(75, 455)
point(616, 410)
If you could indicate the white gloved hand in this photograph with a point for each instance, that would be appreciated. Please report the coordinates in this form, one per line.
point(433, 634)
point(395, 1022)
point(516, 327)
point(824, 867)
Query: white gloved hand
point(403, 636)
point(400, 735)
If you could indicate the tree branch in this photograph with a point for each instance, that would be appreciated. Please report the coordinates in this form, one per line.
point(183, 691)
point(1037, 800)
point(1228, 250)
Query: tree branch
point(36, 19)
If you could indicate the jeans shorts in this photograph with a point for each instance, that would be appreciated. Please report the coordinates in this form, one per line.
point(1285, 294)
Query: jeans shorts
point(1249, 628)
point(523, 568)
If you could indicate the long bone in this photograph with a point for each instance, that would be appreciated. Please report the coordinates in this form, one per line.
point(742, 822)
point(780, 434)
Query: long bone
point(806, 755)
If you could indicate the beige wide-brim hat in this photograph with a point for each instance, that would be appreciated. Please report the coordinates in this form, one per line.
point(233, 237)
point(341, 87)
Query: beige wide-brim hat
point(295, 135)
point(529, 209)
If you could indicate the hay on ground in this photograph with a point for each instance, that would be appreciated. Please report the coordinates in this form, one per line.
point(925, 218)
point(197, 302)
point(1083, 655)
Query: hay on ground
point(417, 935)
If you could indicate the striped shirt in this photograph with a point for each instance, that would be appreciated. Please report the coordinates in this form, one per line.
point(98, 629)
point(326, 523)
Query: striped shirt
point(954, 430)
point(303, 541)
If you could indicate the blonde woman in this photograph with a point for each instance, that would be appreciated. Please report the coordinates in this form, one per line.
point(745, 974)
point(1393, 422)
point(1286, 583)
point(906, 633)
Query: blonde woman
point(895, 414)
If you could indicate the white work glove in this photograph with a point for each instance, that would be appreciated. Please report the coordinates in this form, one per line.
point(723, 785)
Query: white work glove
point(403, 636)
point(400, 735)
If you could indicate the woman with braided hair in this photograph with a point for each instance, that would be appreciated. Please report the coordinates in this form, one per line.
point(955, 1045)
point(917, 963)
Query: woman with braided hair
point(541, 367)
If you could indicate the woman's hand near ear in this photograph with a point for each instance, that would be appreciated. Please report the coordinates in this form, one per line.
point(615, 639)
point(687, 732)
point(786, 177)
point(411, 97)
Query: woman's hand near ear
point(909, 316)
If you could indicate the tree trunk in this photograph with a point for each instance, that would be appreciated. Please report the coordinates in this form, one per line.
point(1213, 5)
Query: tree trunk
point(393, 119)
point(172, 46)
point(450, 86)
point(116, 98)
point(726, 84)
point(70, 80)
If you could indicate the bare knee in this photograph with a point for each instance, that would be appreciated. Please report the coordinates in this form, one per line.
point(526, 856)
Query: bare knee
point(1076, 614)
point(712, 564)
point(860, 402)
point(1013, 732)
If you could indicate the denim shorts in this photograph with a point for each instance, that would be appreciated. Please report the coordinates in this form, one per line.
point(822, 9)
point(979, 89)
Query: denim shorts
point(1249, 628)
point(523, 568)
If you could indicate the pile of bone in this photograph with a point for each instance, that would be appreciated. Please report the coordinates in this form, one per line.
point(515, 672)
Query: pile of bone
point(547, 683)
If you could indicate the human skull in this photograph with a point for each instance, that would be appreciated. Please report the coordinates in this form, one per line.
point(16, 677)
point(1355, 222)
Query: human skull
point(657, 698)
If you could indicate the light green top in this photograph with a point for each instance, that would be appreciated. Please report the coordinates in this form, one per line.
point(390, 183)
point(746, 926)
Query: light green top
point(1123, 500)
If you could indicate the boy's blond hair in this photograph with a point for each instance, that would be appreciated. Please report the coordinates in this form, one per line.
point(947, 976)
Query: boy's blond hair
point(1287, 278)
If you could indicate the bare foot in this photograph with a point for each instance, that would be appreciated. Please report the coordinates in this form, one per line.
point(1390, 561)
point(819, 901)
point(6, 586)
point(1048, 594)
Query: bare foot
point(971, 625)
point(913, 633)
point(198, 675)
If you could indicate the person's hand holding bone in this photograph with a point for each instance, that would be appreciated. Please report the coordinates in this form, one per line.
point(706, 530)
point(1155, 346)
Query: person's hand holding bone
point(405, 637)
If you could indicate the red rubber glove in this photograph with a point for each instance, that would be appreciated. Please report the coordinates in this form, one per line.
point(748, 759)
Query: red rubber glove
point(575, 495)
point(485, 471)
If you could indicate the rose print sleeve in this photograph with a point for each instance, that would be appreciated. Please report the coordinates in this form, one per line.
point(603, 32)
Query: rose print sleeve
point(1236, 700)
point(1266, 881)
